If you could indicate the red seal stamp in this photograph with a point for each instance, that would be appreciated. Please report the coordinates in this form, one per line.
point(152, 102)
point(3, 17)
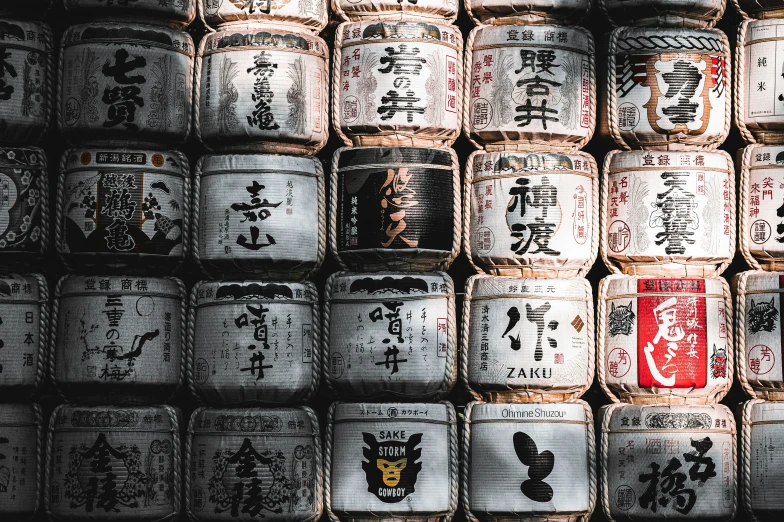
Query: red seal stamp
point(761, 359)
point(618, 363)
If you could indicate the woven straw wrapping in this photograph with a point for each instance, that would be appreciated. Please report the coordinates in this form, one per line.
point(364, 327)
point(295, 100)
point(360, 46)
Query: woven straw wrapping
point(560, 248)
point(757, 108)
point(28, 86)
point(551, 365)
point(25, 237)
point(92, 107)
point(353, 435)
point(363, 360)
point(310, 14)
point(636, 440)
point(24, 308)
point(232, 314)
point(140, 443)
point(699, 14)
point(633, 112)
point(533, 87)
point(496, 12)
point(289, 243)
point(438, 11)
point(640, 233)
point(118, 339)
point(410, 190)
point(289, 441)
point(173, 13)
point(22, 431)
point(641, 362)
point(489, 446)
point(759, 9)
point(262, 88)
point(151, 233)
point(380, 100)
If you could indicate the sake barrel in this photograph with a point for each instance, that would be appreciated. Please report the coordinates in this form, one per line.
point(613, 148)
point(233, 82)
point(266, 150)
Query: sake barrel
point(123, 209)
point(700, 14)
point(529, 462)
point(667, 462)
point(267, 337)
point(259, 215)
point(118, 339)
point(531, 86)
point(24, 216)
point(397, 83)
point(760, 460)
point(125, 85)
point(438, 11)
point(391, 461)
point(664, 340)
point(759, 9)
point(668, 213)
point(667, 88)
point(262, 88)
point(309, 13)
point(389, 334)
point(758, 330)
point(527, 340)
point(761, 174)
point(178, 13)
point(106, 463)
point(495, 12)
point(395, 208)
point(22, 449)
point(528, 232)
point(24, 333)
point(26, 81)
point(758, 112)
point(234, 454)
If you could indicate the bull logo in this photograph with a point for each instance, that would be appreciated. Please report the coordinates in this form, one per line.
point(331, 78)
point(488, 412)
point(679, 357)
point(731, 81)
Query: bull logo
point(391, 467)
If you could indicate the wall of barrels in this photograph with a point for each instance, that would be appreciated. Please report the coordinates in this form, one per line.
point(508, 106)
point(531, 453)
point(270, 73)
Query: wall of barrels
point(391, 260)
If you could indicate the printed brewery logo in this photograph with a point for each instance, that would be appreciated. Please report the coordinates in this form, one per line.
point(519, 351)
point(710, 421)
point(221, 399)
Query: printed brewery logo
point(718, 362)
point(621, 319)
point(392, 466)
point(546, 328)
point(540, 465)
point(533, 216)
point(762, 316)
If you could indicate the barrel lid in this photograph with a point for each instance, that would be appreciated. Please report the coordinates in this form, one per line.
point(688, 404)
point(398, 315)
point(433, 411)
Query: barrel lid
point(216, 292)
point(366, 286)
point(375, 32)
point(114, 418)
point(24, 157)
point(626, 286)
point(650, 40)
point(767, 412)
point(574, 39)
point(763, 282)
point(515, 287)
point(664, 160)
point(503, 163)
point(122, 285)
point(103, 33)
point(171, 162)
point(357, 157)
point(259, 163)
point(676, 418)
point(26, 34)
point(555, 412)
point(254, 421)
point(264, 36)
point(15, 288)
point(17, 415)
point(391, 412)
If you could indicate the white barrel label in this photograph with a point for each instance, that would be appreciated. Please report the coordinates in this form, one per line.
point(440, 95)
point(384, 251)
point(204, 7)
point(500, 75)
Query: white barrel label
point(765, 461)
point(763, 326)
point(22, 300)
point(762, 202)
point(21, 433)
point(759, 88)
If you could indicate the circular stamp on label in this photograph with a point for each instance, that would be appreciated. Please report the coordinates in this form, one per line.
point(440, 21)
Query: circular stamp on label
point(481, 113)
point(761, 359)
point(618, 363)
point(337, 366)
point(483, 240)
point(628, 116)
point(392, 412)
point(145, 306)
point(85, 158)
point(73, 111)
point(759, 232)
point(618, 236)
point(201, 371)
point(157, 159)
point(625, 498)
point(350, 109)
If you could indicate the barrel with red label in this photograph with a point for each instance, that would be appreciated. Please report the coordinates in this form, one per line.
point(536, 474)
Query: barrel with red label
point(699, 14)
point(22, 465)
point(545, 223)
point(499, 12)
point(664, 340)
point(311, 14)
point(668, 213)
point(177, 13)
point(527, 340)
point(254, 342)
point(124, 210)
point(530, 87)
point(665, 462)
point(228, 451)
point(391, 461)
point(395, 208)
point(646, 66)
point(760, 228)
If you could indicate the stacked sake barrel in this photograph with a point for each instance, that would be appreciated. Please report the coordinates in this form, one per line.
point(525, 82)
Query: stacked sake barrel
point(530, 218)
point(26, 97)
point(758, 292)
point(665, 350)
